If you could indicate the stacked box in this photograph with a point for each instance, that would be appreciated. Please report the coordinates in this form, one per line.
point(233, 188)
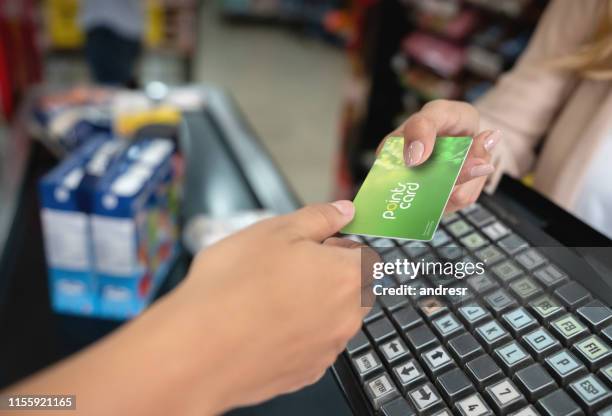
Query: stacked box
point(110, 222)
point(66, 196)
point(134, 227)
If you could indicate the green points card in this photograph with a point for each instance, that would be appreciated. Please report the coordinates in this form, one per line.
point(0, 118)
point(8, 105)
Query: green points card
point(397, 201)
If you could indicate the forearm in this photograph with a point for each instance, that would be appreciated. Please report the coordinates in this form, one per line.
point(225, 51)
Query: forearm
point(146, 368)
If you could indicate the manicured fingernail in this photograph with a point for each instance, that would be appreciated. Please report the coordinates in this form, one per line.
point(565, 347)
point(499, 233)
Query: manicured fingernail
point(346, 208)
point(415, 153)
point(482, 170)
point(492, 140)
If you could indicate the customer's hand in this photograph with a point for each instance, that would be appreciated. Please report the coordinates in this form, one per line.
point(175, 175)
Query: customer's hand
point(261, 313)
point(282, 304)
point(450, 118)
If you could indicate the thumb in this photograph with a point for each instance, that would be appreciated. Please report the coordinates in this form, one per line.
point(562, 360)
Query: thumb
point(419, 138)
point(320, 221)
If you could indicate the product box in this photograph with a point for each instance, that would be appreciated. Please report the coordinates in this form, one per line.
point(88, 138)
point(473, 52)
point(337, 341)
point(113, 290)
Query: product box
point(134, 226)
point(66, 203)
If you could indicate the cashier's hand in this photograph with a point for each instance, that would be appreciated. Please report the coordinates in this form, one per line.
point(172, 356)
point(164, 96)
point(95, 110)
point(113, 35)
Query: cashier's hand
point(285, 300)
point(450, 118)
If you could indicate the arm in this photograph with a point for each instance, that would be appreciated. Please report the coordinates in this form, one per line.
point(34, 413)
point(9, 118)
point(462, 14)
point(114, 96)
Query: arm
point(525, 101)
point(261, 313)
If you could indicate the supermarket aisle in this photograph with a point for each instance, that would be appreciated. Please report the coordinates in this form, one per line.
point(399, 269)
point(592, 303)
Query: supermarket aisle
point(290, 88)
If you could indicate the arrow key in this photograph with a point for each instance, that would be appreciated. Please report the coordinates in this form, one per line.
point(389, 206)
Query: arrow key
point(425, 398)
point(394, 350)
point(408, 375)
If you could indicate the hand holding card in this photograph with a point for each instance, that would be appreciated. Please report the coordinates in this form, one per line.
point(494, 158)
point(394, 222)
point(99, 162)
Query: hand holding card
point(403, 202)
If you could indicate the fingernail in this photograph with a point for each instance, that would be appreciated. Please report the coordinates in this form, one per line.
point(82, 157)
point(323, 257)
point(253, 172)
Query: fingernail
point(346, 208)
point(415, 153)
point(482, 170)
point(492, 140)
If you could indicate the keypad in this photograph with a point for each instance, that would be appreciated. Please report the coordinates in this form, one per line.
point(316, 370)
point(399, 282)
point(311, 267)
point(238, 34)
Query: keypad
point(526, 340)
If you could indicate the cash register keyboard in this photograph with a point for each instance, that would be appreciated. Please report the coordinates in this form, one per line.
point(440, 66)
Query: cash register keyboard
point(524, 340)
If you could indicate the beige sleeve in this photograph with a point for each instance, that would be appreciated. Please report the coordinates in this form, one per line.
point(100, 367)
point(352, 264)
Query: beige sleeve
point(524, 101)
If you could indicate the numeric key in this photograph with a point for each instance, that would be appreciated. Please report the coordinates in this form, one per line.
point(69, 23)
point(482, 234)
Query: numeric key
point(473, 405)
point(504, 396)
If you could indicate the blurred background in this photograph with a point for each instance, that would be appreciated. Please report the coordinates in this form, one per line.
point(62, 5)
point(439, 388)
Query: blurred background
point(321, 81)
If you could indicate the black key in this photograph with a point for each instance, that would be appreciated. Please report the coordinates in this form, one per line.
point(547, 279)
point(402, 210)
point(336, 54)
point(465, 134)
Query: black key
point(380, 390)
point(465, 348)
point(394, 350)
point(565, 367)
point(512, 357)
point(437, 361)
point(483, 370)
point(408, 375)
point(593, 351)
point(534, 381)
point(500, 301)
point(530, 259)
point(447, 326)
point(406, 318)
point(421, 338)
point(358, 343)
point(590, 392)
point(595, 314)
point(381, 329)
point(454, 385)
point(480, 217)
point(398, 407)
point(473, 405)
point(473, 314)
point(496, 230)
point(525, 289)
point(519, 321)
point(504, 397)
point(393, 302)
point(491, 335)
point(568, 329)
point(367, 364)
point(606, 334)
point(550, 276)
point(546, 308)
point(425, 398)
point(512, 244)
point(375, 313)
point(558, 403)
point(605, 374)
point(540, 343)
point(573, 295)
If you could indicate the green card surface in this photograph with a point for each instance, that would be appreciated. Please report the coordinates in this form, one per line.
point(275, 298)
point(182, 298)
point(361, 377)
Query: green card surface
point(396, 201)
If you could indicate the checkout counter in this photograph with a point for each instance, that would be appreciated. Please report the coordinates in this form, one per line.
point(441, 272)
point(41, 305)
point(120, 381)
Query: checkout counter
point(228, 169)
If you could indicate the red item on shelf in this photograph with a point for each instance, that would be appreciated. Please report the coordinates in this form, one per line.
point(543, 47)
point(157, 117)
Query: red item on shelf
point(441, 56)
